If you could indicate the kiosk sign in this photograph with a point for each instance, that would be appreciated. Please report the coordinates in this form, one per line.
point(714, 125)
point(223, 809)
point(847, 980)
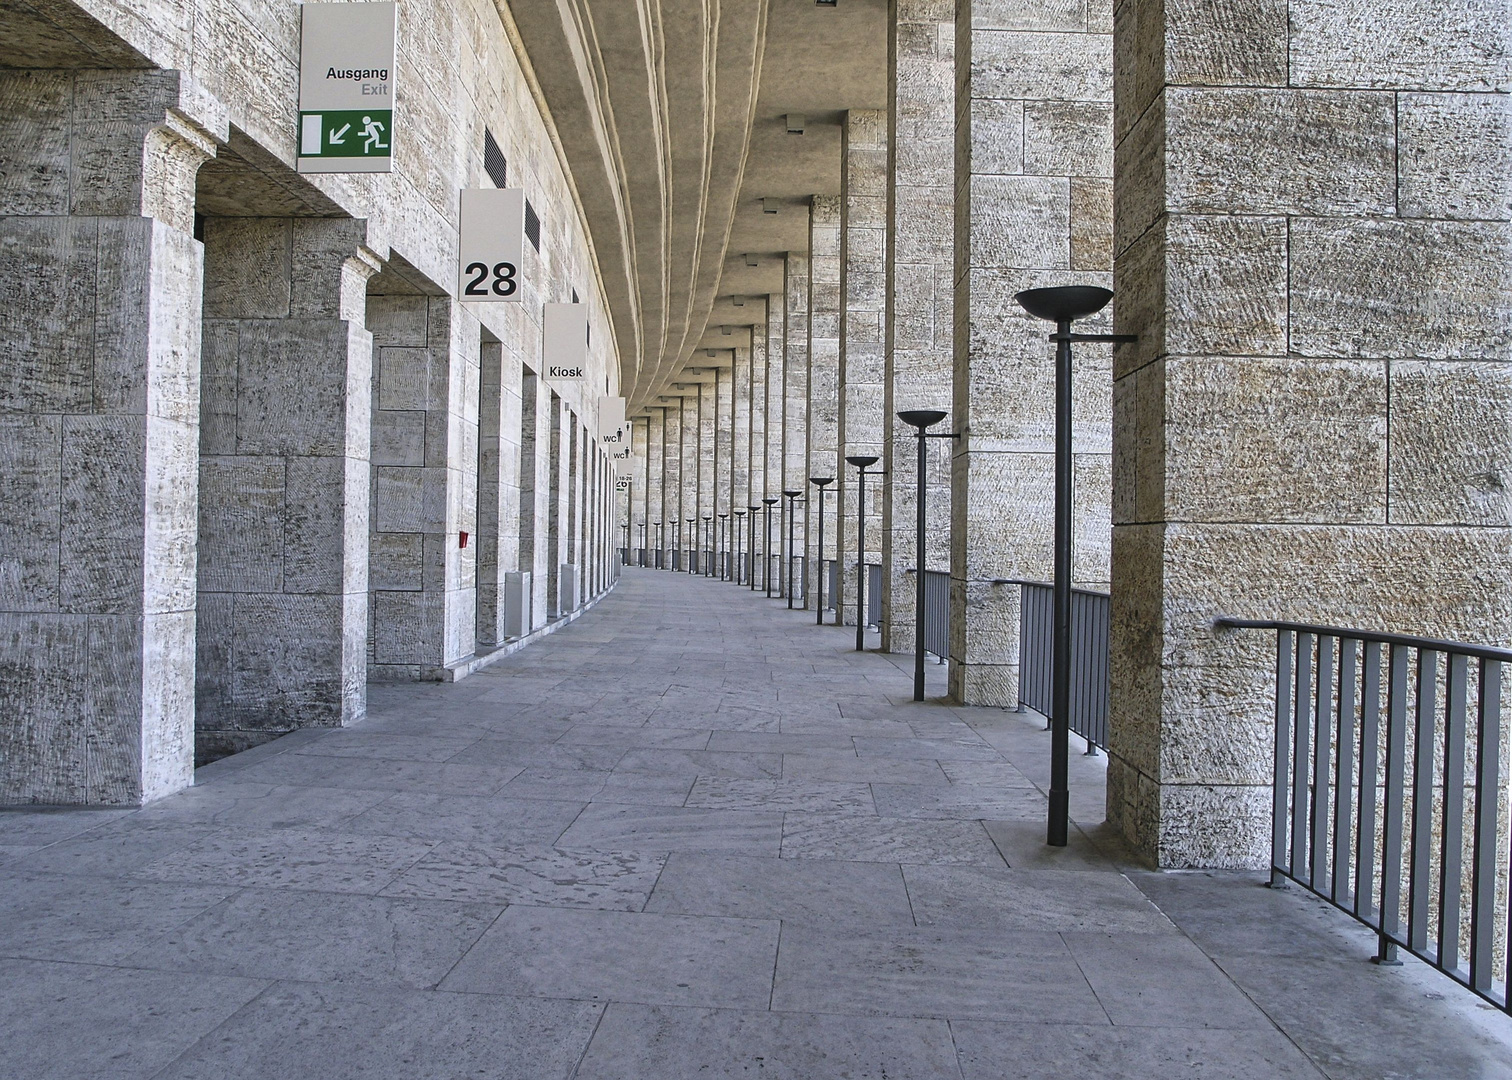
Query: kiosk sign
point(346, 88)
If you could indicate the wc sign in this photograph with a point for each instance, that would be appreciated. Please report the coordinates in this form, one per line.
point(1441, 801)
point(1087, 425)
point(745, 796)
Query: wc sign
point(613, 431)
point(346, 88)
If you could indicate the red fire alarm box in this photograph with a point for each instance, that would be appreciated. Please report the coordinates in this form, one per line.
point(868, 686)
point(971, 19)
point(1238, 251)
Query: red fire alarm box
point(461, 539)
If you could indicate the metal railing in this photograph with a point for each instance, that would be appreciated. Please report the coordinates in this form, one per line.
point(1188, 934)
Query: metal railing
point(1090, 618)
point(937, 613)
point(874, 594)
point(1372, 807)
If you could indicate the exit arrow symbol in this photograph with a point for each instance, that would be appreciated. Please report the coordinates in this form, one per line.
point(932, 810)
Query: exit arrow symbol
point(339, 137)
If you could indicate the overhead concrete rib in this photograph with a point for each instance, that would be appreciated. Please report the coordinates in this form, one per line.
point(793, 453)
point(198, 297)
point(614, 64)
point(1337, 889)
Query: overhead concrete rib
point(654, 103)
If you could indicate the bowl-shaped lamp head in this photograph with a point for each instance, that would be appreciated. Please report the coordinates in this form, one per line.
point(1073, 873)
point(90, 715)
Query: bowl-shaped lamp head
point(821, 480)
point(790, 493)
point(921, 418)
point(862, 461)
point(1064, 303)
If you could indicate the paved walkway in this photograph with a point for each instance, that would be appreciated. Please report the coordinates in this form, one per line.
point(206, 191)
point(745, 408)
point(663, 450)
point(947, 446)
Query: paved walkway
point(691, 835)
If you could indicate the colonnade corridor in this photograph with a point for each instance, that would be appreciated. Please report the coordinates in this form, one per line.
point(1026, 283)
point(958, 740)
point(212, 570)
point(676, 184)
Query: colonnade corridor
point(690, 835)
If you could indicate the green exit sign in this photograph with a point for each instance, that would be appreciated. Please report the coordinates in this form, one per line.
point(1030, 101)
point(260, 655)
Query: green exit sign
point(364, 133)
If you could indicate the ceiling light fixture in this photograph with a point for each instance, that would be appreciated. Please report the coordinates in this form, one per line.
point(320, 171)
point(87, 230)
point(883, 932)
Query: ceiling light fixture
point(752, 260)
point(769, 206)
point(795, 123)
point(738, 301)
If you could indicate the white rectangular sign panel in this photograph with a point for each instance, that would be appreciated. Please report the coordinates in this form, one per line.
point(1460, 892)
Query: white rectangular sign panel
point(346, 88)
point(490, 244)
point(613, 431)
point(565, 354)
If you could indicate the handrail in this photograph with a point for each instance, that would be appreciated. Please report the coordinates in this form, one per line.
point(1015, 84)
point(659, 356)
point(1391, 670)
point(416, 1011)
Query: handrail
point(1045, 585)
point(1480, 652)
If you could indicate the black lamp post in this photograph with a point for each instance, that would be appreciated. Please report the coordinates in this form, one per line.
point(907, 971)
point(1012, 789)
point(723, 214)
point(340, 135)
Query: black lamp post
point(766, 555)
point(643, 544)
point(921, 419)
point(708, 570)
point(661, 543)
point(792, 498)
point(751, 569)
point(724, 543)
point(1063, 305)
point(692, 556)
point(739, 523)
point(821, 482)
point(862, 462)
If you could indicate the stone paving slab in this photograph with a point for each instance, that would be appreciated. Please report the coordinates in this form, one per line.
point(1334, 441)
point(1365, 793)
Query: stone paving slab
point(694, 835)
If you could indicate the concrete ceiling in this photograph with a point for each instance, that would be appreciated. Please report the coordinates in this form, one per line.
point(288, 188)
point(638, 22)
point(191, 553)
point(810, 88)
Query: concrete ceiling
point(673, 117)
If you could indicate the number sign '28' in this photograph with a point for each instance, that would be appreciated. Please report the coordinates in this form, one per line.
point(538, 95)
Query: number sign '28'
point(491, 244)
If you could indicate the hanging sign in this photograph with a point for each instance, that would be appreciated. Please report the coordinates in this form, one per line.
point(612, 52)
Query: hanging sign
point(565, 353)
point(613, 431)
point(490, 244)
point(621, 483)
point(346, 88)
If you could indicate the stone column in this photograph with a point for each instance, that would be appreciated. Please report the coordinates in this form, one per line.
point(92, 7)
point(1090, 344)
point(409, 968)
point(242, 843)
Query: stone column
point(556, 502)
point(425, 473)
point(863, 255)
point(535, 487)
point(724, 463)
point(99, 386)
point(920, 288)
point(795, 372)
point(708, 400)
point(690, 433)
point(775, 426)
point(655, 442)
point(1033, 157)
point(758, 458)
point(672, 470)
point(498, 485)
point(740, 443)
point(1313, 245)
point(823, 413)
point(640, 481)
point(572, 555)
point(285, 398)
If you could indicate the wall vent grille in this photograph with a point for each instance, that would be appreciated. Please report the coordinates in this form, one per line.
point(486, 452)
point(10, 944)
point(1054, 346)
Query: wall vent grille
point(532, 226)
point(493, 161)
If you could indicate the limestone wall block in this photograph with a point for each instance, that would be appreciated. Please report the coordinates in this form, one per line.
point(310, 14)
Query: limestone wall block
point(293, 381)
point(1219, 826)
point(1063, 15)
point(1029, 66)
point(48, 282)
point(396, 320)
point(1451, 443)
point(1139, 163)
point(997, 136)
point(241, 524)
point(1021, 221)
point(396, 561)
point(1091, 520)
point(167, 707)
point(1275, 440)
point(1359, 288)
point(100, 552)
point(315, 525)
point(29, 523)
point(288, 666)
point(403, 379)
point(1068, 138)
point(1455, 155)
point(1091, 224)
point(1230, 43)
point(1242, 151)
point(399, 437)
point(1400, 44)
point(247, 268)
point(34, 141)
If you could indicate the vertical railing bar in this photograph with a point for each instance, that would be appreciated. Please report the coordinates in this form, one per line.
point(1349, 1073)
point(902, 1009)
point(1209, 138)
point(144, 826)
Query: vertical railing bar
point(1317, 869)
point(1395, 799)
point(1421, 852)
point(1370, 734)
point(1344, 773)
point(1280, 785)
point(1451, 858)
point(1485, 864)
point(1301, 733)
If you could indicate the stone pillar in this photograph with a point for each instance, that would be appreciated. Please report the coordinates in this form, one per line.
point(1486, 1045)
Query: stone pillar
point(1313, 245)
point(285, 398)
point(1033, 157)
point(425, 474)
point(498, 488)
point(99, 383)
point(795, 372)
point(775, 426)
point(655, 442)
point(640, 483)
point(573, 545)
point(708, 400)
point(672, 484)
point(690, 433)
point(535, 488)
point(758, 443)
point(920, 288)
point(740, 443)
point(863, 255)
point(823, 412)
point(724, 463)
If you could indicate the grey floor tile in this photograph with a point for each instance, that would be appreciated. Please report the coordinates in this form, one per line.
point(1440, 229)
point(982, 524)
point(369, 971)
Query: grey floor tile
point(618, 956)
point(723, 793)
point(29, 827)
point(566, 785)
point(1160, 980)
point(893, 840)
point(646, 789)
point(615, 827)
point(1023, 846)
point(355, 742)
point(262, 806)
point(972, 749)
point(618, 881)
point(381, 775)
point(959, 802)
point(701, 763)
point(503, 752)
point(376, 1033)
point(93, 920)
point(648, 1042)
point(282, 934)
point(291, 859)
point(638, 737)
point(492, 820)
point(905, 971)
point(80, 1022)
point(989, 900)
point(848, 726)
point(114, 850)
point(1000, 1051)
point(847, 768)
point(770, 742)
point(863, 894)
point(993, 774)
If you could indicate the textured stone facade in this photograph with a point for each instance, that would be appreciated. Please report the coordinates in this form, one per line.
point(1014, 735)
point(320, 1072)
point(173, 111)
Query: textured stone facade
point(918, 325)
point(823, 414)
point(795, 378)
point(1033, 209)
point(1313, 245)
